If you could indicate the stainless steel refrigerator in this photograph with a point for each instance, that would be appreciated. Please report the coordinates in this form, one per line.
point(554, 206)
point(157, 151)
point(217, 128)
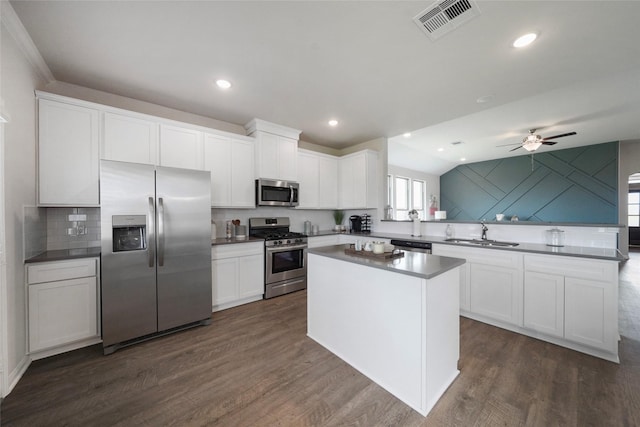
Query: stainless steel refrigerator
point(156, 251)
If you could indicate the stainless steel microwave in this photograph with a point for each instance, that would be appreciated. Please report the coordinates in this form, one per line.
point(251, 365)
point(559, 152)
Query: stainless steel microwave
point(271, 192)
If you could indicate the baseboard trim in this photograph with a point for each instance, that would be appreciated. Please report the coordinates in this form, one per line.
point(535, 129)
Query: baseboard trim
point(17, 374)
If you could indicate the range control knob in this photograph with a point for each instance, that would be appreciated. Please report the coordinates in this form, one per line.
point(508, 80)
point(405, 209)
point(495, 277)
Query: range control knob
point(288, 241)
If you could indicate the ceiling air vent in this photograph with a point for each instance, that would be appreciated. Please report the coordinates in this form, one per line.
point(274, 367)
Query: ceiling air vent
point(443, 17)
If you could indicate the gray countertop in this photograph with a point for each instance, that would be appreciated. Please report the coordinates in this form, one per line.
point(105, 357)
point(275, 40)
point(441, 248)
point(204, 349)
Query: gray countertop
point(610, 254)
point(413, 263)
point(64, 254)
point(233, 240)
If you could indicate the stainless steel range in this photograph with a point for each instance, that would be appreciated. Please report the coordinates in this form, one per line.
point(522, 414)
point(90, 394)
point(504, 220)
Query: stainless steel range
point(285, 255)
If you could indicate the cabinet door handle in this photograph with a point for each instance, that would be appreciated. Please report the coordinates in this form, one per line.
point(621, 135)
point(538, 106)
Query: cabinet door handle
point(151, 233)
point(160, 232)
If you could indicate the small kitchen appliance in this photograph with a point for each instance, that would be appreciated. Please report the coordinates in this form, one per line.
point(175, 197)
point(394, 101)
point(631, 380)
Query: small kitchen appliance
point(270, 192)
point(285, 255)
point(356, 223)
point(360, 223)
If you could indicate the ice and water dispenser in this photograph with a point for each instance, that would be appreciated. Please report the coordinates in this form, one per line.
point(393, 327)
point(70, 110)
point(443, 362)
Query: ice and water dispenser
point(129, 233)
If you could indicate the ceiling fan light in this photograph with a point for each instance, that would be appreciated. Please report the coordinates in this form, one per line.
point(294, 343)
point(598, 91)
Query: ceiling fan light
point(532, 146)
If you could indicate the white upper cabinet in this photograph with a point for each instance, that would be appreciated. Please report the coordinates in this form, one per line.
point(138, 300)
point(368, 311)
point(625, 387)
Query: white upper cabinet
point(328, 182)
point(230, 161)
point(309, 179)
point(357, 184)
point(68, 154)
point(181, 147)
point(129, 139)
point(318, 178)
point(276, 150)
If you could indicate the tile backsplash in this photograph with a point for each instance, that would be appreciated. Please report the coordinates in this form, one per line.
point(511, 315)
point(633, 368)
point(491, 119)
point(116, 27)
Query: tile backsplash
point(72, 228)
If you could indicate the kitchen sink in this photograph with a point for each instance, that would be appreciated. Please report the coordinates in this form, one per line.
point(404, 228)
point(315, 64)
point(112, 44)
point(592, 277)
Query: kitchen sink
point(480, 242)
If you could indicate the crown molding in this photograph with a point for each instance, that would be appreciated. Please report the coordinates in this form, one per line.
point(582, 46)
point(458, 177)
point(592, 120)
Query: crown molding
point(14, 26)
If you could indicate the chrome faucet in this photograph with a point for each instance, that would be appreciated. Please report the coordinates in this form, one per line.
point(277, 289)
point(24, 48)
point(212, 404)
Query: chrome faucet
point(484, 231)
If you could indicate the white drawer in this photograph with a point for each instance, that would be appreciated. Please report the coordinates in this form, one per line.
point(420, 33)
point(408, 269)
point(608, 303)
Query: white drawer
point(61, 270)
point(496, 257)
point(234, 250)
point(581, 268)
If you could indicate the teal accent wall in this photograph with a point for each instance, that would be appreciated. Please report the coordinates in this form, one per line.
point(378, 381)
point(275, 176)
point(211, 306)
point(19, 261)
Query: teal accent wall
point(572, 185)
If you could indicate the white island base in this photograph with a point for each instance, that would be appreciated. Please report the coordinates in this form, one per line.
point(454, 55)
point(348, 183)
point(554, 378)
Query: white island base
point(400, 330)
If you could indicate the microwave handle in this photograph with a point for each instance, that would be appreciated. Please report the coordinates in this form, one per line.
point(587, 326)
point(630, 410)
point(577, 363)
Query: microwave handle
point(290, 194)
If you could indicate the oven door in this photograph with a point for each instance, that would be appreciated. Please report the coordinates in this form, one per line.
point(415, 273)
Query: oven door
point(284, 263)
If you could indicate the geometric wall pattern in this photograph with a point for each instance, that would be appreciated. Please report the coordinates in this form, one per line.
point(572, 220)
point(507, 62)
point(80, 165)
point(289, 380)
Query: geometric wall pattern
point(573, 185)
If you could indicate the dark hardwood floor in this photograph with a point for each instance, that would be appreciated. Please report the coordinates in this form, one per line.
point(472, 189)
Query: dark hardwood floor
point(254, 366)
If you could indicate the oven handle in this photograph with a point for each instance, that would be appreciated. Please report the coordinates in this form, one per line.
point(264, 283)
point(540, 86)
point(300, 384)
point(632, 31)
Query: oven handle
point(286, 248)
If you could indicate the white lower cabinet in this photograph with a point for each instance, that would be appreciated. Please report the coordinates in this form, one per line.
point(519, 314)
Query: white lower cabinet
point(496, 292)
point(238, 274)
point(573, 298)
point(63, 306)
point(544, 303)
point(490, 283)
point(569, 301)
point(591, 314)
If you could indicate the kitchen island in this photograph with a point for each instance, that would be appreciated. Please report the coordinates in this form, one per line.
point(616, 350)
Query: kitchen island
point(396, 321)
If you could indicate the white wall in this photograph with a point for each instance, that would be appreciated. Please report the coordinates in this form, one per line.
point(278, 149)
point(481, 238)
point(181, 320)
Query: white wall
point(105, 98)
point(19, 78)
point(629, 164)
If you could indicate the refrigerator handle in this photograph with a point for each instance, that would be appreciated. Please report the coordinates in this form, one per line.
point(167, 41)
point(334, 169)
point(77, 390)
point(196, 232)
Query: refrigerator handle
point(160, 232)
point(151, 233)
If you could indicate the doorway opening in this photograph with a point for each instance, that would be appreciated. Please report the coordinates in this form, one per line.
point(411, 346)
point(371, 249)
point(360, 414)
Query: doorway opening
point(633, 210)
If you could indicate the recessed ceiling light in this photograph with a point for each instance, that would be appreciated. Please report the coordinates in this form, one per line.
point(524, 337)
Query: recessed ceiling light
point(406, 134)
point(441, 149)
point(333, 122)
point(223, 84)
point(484, 99)
point(462, 159)
point(525, 40)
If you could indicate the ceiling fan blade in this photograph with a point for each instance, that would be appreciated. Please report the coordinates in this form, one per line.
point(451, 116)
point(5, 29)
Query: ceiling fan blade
point(514, 149)
point(559, 136)
point(507, 145)
point(549, 142)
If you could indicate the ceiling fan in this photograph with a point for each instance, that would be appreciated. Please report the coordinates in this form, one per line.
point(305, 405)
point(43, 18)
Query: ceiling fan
point(532, 141)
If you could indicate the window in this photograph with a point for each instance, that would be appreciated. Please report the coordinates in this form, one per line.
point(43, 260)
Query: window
point(390, 189)
point(408, 194)
point(634, 209)
point(418, 193)
point(402, 197)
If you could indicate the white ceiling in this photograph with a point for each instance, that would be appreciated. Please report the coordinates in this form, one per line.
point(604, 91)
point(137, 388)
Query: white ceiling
point(300, 63)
